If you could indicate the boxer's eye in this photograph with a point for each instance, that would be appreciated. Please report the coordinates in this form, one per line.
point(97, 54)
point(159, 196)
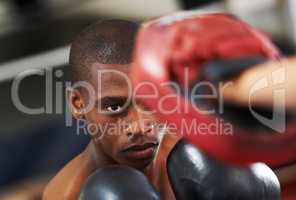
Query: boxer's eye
point(114, 108)
point(114, 105)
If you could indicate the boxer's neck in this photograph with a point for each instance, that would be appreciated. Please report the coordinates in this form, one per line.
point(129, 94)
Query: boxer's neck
point(101, 159)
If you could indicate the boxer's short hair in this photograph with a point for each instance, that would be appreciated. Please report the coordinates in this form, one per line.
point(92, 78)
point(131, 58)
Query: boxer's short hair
point(106, 42)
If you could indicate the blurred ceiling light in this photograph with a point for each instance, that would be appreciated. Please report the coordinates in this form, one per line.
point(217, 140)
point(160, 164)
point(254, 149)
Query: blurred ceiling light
point(290, 17)
point(6, 19)
point(46, 60)
point(243, 6)
point(263, 14)
point(136, 9)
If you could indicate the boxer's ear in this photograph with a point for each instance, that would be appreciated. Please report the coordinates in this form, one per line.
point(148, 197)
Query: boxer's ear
point(75, 102)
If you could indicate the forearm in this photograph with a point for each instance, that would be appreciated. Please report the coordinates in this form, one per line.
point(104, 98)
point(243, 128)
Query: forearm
point(279, 75)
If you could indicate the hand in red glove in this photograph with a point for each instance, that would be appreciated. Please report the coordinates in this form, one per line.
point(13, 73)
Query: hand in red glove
point(173, 47)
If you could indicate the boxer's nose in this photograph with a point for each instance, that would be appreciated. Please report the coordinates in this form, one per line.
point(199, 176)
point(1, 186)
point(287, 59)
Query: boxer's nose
point(138, 123)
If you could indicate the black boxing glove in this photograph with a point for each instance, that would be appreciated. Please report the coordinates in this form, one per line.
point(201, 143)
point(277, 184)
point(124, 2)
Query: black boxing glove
point(223, 69)
point(194, 176)
point(118, 183)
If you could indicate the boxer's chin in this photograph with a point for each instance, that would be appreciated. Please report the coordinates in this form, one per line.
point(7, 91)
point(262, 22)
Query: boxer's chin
point(142, 165)
point(137, 164)
point(140, 160)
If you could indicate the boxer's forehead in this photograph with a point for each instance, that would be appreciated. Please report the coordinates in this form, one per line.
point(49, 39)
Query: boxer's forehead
point(111, 79)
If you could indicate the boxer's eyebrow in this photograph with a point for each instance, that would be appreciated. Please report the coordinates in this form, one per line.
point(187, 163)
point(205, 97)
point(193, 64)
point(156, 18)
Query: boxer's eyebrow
point(111, 100)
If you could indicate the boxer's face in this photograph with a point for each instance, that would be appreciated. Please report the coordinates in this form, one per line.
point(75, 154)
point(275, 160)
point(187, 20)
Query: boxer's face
point(125, 133)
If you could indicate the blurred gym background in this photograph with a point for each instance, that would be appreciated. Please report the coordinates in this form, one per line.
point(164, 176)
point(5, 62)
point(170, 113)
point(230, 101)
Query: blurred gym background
point(35, 34)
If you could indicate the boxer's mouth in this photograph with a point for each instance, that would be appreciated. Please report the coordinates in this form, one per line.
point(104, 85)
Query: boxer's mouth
point(140, 151)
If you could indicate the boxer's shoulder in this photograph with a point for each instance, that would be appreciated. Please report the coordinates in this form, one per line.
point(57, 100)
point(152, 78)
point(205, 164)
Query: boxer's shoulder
point(67, 183)
point(168, 143)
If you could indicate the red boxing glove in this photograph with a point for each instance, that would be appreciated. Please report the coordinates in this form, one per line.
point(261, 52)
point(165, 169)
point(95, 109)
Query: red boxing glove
point(168, 46)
